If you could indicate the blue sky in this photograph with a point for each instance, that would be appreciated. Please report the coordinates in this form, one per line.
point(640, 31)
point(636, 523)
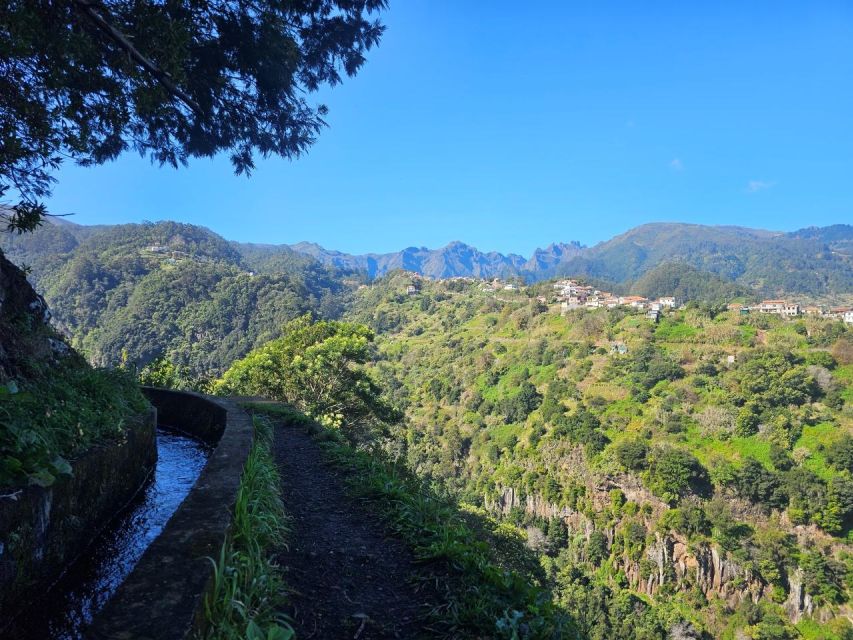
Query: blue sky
point(513, 125)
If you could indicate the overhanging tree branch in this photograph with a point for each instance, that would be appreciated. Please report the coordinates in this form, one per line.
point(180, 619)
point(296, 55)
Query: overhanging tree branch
point(121, 40)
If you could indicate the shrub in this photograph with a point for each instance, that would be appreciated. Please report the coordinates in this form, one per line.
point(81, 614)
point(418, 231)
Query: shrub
point(632, 454)
point(673, 473)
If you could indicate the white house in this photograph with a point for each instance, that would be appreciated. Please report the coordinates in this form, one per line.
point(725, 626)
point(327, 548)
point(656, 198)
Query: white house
point(772, 306)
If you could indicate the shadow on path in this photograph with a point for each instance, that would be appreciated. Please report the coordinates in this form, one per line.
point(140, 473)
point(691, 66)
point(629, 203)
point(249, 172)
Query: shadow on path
point(348, 578)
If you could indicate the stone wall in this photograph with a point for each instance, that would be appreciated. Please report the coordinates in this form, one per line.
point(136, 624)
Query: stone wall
point(42, 529)
point(162, 598)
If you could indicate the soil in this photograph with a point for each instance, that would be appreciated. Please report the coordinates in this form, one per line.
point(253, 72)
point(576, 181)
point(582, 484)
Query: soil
point(349, 578)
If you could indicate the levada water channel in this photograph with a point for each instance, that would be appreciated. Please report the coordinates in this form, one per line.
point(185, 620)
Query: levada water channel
point(70, 605)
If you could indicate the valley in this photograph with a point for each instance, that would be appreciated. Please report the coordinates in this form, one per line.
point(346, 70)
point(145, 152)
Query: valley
point(681, 456)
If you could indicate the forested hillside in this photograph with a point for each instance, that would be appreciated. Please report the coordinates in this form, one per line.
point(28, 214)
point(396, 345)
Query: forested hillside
point(814, 261)
point(132, 293)
point(699, 467)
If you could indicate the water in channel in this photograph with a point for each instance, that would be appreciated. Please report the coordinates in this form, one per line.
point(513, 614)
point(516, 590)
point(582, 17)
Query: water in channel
point(71, 604)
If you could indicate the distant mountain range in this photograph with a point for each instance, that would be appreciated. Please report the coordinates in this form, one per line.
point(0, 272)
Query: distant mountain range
point(456, 259)
point(816, 261)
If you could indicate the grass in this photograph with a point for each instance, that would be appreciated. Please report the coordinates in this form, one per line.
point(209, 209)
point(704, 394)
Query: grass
point(812, 438)
point(845, 376)
point(248, 592)
point(671, 331)
point(481, 596)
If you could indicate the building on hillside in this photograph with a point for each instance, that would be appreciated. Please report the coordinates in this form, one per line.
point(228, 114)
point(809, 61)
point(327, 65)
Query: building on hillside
point(653, 315)
point(813, 311)
point(771, 306)
point(411, 289)
point(779, 307)
point(667, 301)
point(637, 302)
point(848, 316)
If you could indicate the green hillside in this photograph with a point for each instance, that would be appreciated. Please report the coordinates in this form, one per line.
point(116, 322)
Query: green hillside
point(132, 293)
point(708, 466)
point(815, 261)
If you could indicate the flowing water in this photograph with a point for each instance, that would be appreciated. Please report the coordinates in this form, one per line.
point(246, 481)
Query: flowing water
point(71, 604)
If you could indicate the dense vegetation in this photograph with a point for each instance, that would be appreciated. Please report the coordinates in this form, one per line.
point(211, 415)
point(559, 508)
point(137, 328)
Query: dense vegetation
point(687, 477)
point(707, 466)
point(53, 405)
point(316, 367)
point(132, 293)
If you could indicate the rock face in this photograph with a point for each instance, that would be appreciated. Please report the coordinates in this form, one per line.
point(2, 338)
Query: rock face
point(25, 334)
point(673, 560)
point(43, 528)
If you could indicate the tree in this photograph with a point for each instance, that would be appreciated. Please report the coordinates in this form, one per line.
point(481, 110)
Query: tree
point(316, 367)
point(840, 454)
point(632, 454)
point(172, 80)
point(674, 472)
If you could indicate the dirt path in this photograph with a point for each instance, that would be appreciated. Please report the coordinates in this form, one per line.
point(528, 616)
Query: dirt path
point(349, 580)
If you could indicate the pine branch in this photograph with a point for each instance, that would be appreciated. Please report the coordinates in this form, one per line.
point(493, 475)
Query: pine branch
point(88, 10)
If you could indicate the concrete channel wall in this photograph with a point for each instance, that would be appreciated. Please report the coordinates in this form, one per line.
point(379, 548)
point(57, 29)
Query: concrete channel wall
point(42, 529)
point(162, 598)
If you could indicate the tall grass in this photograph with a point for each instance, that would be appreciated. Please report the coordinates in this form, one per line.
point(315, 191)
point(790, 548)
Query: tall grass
point(248, 593)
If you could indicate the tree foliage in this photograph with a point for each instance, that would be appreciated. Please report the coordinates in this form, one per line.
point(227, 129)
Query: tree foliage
point(174, 80)
point(315, 366)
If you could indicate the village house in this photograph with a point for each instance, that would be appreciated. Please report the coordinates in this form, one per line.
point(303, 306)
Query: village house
point(845, 314)
point(667, 301)
point(791, 309)
point(779, 307)
point(637, 302)
point(771, 306)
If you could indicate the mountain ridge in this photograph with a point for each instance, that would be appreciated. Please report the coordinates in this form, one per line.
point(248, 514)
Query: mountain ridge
point(816, 261)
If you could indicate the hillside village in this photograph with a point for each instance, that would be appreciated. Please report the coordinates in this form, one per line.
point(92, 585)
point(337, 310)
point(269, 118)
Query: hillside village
point(574, 294)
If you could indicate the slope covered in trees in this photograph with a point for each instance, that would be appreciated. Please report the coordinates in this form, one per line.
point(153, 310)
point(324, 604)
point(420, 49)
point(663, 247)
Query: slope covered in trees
point(696, 479)
point(132, 293)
